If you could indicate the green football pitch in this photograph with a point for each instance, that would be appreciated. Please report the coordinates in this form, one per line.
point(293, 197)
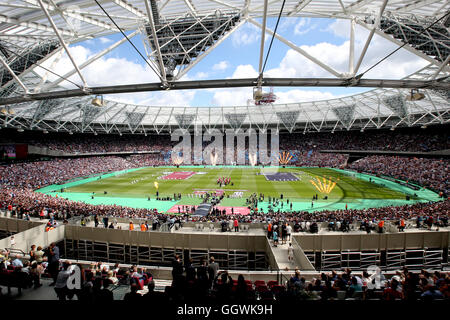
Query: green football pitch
point(342, 188)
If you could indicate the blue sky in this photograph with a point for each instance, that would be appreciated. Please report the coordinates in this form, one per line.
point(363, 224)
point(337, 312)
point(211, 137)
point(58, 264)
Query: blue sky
point(238, 57)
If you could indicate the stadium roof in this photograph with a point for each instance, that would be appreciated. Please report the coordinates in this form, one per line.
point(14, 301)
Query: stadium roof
point(188, 30)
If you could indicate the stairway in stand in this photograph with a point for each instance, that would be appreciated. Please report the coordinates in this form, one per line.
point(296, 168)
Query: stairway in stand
point(281, 255)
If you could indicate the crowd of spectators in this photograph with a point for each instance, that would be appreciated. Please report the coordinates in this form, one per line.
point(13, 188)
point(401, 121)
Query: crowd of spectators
point(438, 212)
point(430, 173)
point(33, 175)
point(103, 143)
point(204, 281)
point(406, 139)
point(317, 159)
point(18, 180)
point(409, 139)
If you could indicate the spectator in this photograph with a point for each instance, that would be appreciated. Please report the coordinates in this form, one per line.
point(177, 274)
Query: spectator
point(213, 269)
point(61, 283)
point(17, 262)
point(53, 262)
point(133, 295)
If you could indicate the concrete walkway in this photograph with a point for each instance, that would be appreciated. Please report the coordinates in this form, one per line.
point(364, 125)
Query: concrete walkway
point(280, 253)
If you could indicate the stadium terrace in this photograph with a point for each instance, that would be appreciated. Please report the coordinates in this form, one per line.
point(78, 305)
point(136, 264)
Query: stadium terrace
point(244, 157)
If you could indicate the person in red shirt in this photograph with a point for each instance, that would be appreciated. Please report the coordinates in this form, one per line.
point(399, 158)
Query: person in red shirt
point(236, 225)
point(391, 293)
point(401, 226)
point(381, 226)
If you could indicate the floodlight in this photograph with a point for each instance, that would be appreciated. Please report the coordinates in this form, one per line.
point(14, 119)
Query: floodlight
point(97, 101)
point(415, 95)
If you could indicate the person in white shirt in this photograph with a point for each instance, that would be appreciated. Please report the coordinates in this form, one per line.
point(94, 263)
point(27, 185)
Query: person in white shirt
point(17, 262)
point(290, 252)
point(289, 232)
point(39, 255)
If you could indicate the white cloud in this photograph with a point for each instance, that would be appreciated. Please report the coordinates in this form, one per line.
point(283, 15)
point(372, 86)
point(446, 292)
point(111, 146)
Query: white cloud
point(286, 23)
point(221, 66)
point(104, 40)
point(244, 71)
point(339, 28)
point(336, 56)
point(246, 35)
point(201, 75)
point(235, 97)
point(118, 71)
point(303, 27)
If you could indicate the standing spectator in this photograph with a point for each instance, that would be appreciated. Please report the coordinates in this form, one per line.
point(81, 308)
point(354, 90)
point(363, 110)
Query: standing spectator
point(32, 253)
point(381, 226)
point(283, 233)
point(12, 242)
point(61, 283)
point(39, 255)
point(213, 269)
point(190, 270)
point(269, 230)
point(275, 238)
point(53, 262)
point(36, 271)
point(290, 253)
point(288, 231)
point(177, 268)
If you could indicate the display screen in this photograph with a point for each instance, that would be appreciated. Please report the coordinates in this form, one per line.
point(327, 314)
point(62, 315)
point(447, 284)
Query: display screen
point(13, 151)
point(8, 151)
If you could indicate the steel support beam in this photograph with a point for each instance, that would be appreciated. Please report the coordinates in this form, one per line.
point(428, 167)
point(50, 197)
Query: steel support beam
point(235, 83)
point(90, 60)
point(33, 25)
point(16, 78)
point(63, 43)
point(369, 38)
point(209, 50)
point(263, 38)
point(351, 60)
point(162, 68)
point(299, 7)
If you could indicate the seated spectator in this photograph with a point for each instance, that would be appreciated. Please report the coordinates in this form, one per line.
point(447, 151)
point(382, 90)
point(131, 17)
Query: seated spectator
point(17, 262)
point(111, 278)
point(432, 294)
point(133, 295)
point(157, 298)
point(354, 287)
point(392, 291)
point(105, 295)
